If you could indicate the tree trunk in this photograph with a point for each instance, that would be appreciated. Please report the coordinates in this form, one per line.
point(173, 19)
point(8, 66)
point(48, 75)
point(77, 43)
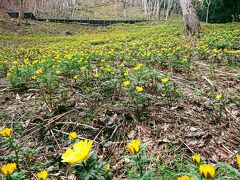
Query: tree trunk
point(168, 9)
point(158, 13)
point(124, 9)
point(190, 19)
point(207, 14)
point(208, 8)
point(21, 12)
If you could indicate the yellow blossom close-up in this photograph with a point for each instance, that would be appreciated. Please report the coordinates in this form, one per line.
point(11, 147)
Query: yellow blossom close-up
point(42, 175)
point(126, 83)
point(39, 71)
point(8, 169)
point(72, 135)
point(196, 158)
point(207, 170)
point(58, 72)
point(164, 80)
point(9, 74)
point(138, 67)
point(34, 77)
point(78, 153)
point(96, 75)
point(134, 146)
point(218, 96)
point(139, 88)
point(6, 132)
point(126, 73)
point(75, 77)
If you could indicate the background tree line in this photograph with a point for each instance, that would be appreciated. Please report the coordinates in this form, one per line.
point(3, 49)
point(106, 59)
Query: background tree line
point(212, 11)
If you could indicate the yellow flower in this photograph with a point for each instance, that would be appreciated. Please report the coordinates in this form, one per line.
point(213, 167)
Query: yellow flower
point(6, 132)
point(122, 64)
point(72, 135)
point(75, 77)
point(126, 73)
point(58, 72)
point(196, 158)
point(96, 75)
point(34, 77)
point(139, 89)
point(26, 61)
point(126, 83)
point(83, 68)
point(9, 74)
point(164, 80)
point(15, 62)
point(218, 96)
point(42, 175)
point(185, 178)
point(78, 153)
point(238, 160)
point(35, 62)
point(8, 169)
point(39, 71)
point(207, 170)
point(134, 146)
point(136, 68)
point(108, 69)
point(107, 167)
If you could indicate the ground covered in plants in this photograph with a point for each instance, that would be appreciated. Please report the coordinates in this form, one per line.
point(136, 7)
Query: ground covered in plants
point(179, 96)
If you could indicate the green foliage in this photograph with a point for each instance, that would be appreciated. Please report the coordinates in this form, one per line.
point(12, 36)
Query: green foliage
point(220, 11)
point(228, 170)
point(138, 166)
point(92, 169)
point(21, 175)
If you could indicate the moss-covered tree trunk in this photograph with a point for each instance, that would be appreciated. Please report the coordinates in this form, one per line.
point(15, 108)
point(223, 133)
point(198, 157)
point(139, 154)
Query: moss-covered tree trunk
point(190, 19)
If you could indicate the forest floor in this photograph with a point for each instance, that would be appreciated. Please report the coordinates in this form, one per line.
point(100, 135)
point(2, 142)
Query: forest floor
point(80, 88)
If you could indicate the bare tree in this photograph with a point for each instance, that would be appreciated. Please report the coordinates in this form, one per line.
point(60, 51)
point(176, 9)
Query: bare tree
point(208, 7)
point(124, 5)
point(21, 11)
point(169, 6)
point(152, 8)
point(190, 19)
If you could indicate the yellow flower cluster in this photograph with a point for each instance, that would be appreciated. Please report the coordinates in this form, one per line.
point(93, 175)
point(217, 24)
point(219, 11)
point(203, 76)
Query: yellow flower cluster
point(206, 170)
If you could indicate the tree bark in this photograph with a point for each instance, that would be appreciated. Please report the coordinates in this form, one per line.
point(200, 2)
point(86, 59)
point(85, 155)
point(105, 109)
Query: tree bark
point(208, 8)
point(21, 12)
point(169, 6)
point(190, 19)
